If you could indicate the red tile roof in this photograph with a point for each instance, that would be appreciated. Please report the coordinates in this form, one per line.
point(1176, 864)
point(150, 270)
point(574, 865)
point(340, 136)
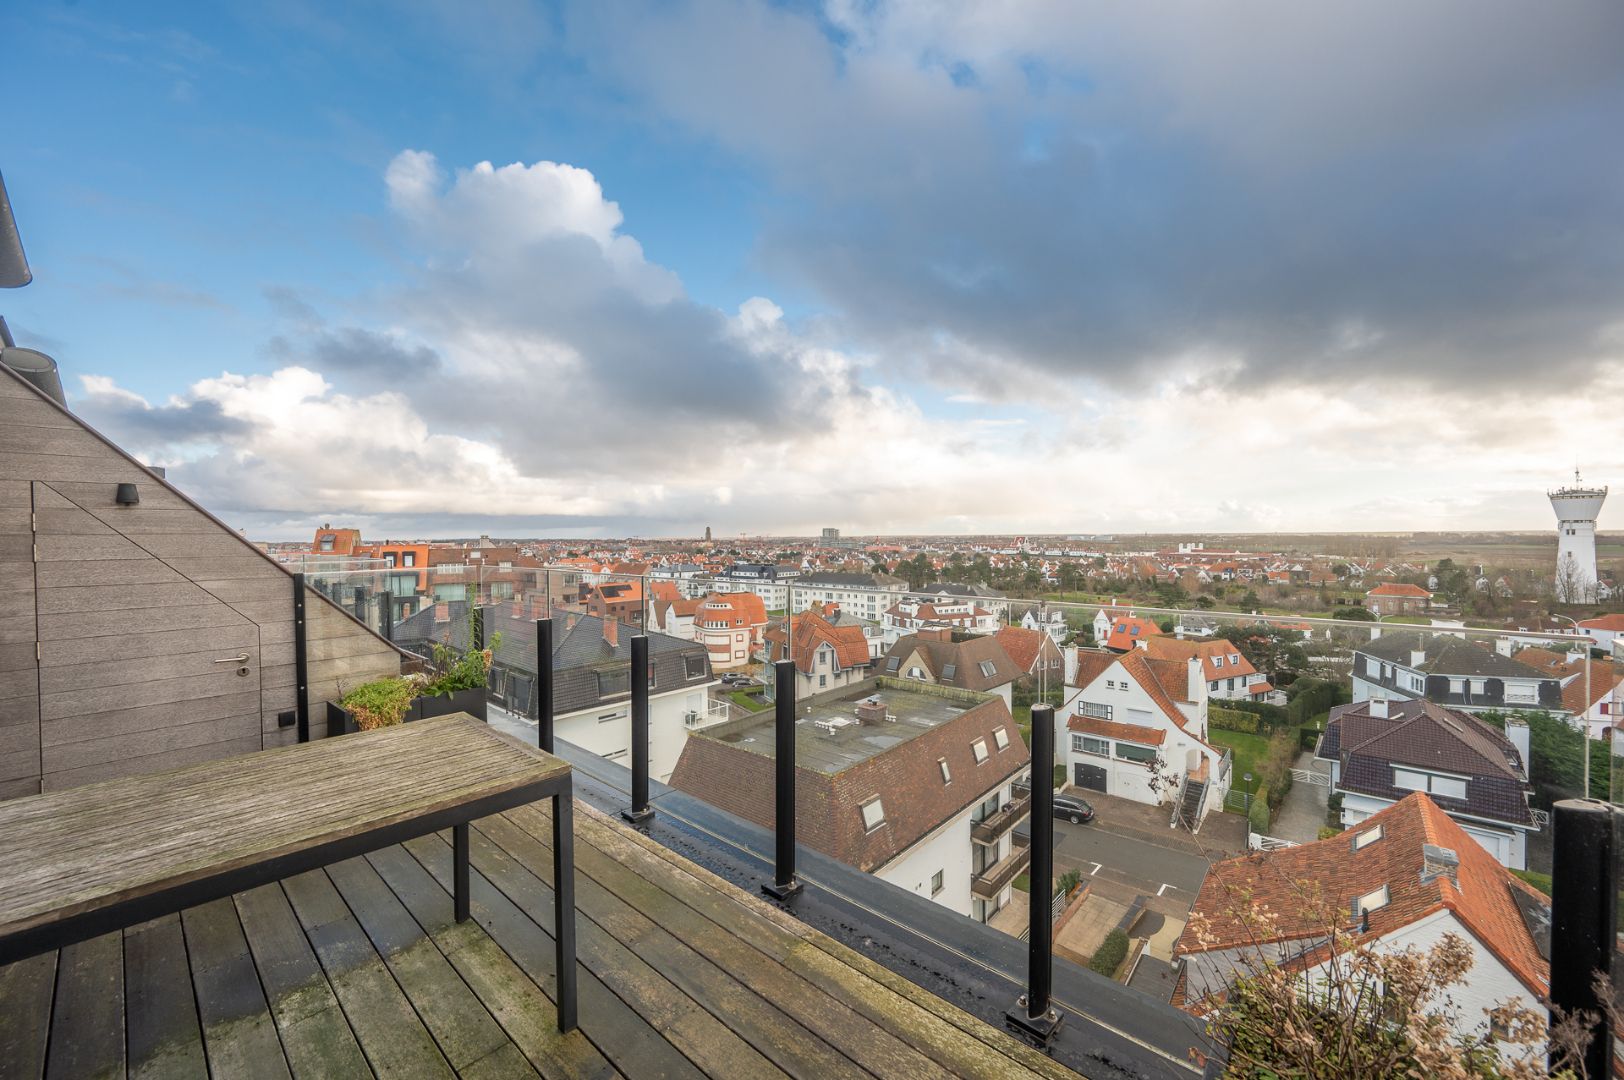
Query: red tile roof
point(1128, 630)
point(1613, 622)
point(809, 631)
point(1483, 896)
point(1022, 645)
point(1397, 589)
point(1603, 678)
point(735, 610)
point(1110, 729)
point(1209, 650)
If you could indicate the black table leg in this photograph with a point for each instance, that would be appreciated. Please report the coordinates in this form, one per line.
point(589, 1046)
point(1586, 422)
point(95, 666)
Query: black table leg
point(564, 905)
point(459, 870)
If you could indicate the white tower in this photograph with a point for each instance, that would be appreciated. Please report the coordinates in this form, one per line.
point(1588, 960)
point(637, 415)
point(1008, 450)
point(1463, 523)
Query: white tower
point(1576, 510)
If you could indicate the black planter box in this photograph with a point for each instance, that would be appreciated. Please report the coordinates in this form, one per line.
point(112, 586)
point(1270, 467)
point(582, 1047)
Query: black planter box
point(471, 702)
point(340, 721)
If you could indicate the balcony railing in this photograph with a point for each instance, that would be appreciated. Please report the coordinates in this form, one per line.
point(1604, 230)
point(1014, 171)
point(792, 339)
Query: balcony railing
point(991, 881)
point(991, 827)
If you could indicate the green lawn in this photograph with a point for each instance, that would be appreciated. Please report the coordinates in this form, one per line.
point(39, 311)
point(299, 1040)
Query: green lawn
point(1249, 751)
point(753, 702)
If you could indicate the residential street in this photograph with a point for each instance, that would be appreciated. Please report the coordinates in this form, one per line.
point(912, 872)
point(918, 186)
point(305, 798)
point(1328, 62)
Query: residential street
point(1128, 860)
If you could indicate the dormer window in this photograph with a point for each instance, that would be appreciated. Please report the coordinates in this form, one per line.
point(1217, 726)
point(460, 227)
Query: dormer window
point(1218, 661)
point(1235, 659)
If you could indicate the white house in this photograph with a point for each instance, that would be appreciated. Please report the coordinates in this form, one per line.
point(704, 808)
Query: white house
point(1136, 727)
point(911, 613)
point(1230, 676)
point(865, 596)
point(1408, 875)
point(1054, 624)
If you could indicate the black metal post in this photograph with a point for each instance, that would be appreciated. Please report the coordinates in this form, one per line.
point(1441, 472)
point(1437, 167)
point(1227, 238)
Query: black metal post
point(459, 871)
point(544, 684)
point(477, 618)
point(564, 907)
point(1032, 1012)
point(783, 886)
point(1584, 890)
point(301, 677)
point(386, 619)
point(640, 810)
point(360, 602)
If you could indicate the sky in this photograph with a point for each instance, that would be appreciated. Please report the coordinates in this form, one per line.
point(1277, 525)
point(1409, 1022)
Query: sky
point(438, 268)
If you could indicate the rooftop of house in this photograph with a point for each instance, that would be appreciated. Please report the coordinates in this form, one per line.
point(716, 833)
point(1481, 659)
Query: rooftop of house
point(1445, 654)
point(1393, 588)
point(978, 664)
point(1220, 659)
point(848, 741)
point(1407, 861)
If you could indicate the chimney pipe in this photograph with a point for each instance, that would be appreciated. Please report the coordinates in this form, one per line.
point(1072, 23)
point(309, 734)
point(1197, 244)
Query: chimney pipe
point(611, 630)
point(1378, 707)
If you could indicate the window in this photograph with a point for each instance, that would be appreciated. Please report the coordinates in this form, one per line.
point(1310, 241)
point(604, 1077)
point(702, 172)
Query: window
point(988, 668)
point(893, 663)
point(1092, 745)
point(1409, 780)
point(1218, 661)
point(1478, 686)
point(1089, 708)
point(979, 749)
point(936, 883)
point(1000, 738)
point(916, 673)
point(1448, 787)
point(947, 773)
point(1371, 901)
point(1366, 838)
point(618, 681)
point(1234, 660)
point(823, 680)
point(1213, 686)
point(1457, 686)
point(1144, 755)
point(873, 814)
point(949, 670)
point(389, 560)
point(1110, 684)
point(327, 543)
point(409, 559)
point(694, 666)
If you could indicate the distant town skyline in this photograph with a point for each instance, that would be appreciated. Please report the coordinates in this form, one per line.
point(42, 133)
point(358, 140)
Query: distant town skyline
point(903, 268)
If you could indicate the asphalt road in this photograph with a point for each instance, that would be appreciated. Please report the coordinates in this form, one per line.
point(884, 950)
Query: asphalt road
point(1128, 860)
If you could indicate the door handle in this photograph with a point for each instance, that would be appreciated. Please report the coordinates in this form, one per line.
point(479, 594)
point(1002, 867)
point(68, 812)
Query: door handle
point(243, 659)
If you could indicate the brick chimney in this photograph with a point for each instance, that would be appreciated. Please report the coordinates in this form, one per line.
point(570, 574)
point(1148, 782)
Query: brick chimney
point(942, 633)
point(442, 612)
point(611, 631)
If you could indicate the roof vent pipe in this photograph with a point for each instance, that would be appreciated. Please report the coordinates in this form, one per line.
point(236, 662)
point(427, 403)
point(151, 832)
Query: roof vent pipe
point(37, 368)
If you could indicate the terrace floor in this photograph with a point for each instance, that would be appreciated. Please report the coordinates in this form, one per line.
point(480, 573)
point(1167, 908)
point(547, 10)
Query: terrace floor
point(360, 969)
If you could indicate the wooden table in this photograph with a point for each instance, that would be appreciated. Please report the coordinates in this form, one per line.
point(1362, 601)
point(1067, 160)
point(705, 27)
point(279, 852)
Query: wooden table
point(78, 863)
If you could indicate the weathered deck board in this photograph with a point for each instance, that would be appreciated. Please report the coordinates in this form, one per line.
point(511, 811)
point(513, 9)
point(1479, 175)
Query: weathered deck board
point(164, 1040)
point(87, 1022)
point(360, 969)
point(517, 1003)
point(239, 1035)
point(463, 1028)
point(390, 1032)
point(711, 923)
point(315, 1035)
point(644, 928)
point(26, 989)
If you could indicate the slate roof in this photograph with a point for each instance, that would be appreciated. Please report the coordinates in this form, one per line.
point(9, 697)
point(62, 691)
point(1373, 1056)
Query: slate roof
point(963, 657)
point(1423, 735)
point(906, 777)
point(579, 652)
point(839, 579)
point(1448, 655)
point(1486, 898)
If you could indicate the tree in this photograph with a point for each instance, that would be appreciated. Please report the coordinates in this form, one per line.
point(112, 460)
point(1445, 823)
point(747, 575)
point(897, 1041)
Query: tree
point(1204, 602)
point(1353, 614)
point(1250, 601)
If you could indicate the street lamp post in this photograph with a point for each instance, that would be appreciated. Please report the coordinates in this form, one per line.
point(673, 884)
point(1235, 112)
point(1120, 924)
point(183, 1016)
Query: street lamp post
point(1584, 709)
point(1248, 778)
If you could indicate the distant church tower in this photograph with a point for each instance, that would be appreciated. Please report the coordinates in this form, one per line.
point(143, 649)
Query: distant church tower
point(1576, 510)
point(707, 534)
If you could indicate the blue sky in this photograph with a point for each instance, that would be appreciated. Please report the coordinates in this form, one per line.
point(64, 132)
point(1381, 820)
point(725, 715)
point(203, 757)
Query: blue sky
point(958, 267)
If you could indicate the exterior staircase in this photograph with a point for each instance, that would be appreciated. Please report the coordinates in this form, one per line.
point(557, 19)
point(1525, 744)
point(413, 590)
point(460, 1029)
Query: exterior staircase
point(1192, 801)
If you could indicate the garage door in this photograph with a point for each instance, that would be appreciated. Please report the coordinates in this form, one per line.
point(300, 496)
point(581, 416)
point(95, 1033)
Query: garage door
point(1091, 777)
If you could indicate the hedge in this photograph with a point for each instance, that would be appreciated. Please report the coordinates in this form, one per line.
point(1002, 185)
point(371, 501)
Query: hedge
point(1109, 956)
point(1233, 720)
point(1257, 817)
point(1309, 698)
point(1272, 715)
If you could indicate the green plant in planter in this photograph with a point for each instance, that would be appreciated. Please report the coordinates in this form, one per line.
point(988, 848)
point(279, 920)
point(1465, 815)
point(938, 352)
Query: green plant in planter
point(461, 669)
point(381, 702)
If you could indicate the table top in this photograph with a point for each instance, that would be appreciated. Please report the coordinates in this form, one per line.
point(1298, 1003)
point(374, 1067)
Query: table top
point(72, 851)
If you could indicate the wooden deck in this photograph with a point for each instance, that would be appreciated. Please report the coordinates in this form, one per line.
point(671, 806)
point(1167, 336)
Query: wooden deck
point(360, 968)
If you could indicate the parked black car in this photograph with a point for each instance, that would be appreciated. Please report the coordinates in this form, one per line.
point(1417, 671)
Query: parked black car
point(733, 679)
point(1072, 809)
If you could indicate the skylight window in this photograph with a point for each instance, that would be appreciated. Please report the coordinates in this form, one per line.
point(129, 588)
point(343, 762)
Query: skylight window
point(949, 670)
point(988, 668)
point(893, 663)
point(873, 814)
point(1366, 838)
point(1371, 901)
point(979, 749)
point(947, 773)
point(1000, 738)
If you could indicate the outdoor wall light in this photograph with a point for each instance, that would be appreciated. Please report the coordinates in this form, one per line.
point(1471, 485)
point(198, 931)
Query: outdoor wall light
point(127, 495)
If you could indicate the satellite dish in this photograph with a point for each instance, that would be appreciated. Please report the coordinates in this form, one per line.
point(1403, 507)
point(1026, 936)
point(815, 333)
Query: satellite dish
point(14, 272)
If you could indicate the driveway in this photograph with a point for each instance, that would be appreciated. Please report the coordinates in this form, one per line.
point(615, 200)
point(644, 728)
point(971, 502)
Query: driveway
point(1127, 862)
point(1303, 811)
